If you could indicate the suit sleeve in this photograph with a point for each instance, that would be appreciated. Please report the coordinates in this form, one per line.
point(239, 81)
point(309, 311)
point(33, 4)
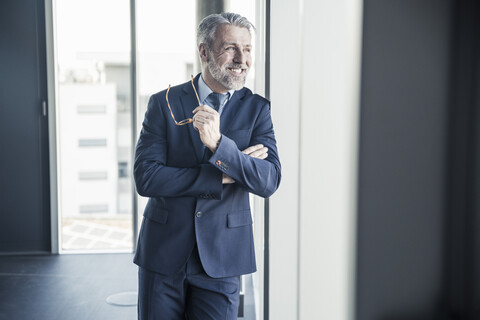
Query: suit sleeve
point(260, 177)
point(154, 178)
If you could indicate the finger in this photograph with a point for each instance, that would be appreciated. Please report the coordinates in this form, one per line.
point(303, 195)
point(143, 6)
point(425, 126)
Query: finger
point(262, 156)
point(198, 120)
point(251, 149)
point(200, 108)
point(227, 179)
point(199, 117)
point(200, 126)
point(205, 116)
point(199, 123)
point(204, 123)
point(259, 152)
point(204, 108)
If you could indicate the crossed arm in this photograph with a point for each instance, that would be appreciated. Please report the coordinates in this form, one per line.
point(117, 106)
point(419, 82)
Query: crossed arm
point(257, 151)
point(253, 168)
point(259, 171)
point(207, 122)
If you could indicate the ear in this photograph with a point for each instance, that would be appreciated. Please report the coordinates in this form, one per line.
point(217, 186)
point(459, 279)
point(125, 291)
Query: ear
point(203, 52)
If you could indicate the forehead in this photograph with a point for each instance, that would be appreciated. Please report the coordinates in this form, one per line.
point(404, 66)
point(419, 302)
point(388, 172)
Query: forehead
point(226, 33)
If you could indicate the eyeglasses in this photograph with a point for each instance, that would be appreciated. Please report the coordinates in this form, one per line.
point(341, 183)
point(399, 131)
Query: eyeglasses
point(185, 121)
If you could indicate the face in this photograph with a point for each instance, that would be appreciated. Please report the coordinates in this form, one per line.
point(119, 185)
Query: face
point(226, 65)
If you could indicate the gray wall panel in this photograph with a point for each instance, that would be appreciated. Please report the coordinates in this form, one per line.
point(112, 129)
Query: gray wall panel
point(404, 105)
point(24, 213)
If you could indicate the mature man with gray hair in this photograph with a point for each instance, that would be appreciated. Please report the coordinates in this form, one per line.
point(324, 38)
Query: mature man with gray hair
point(196, 237)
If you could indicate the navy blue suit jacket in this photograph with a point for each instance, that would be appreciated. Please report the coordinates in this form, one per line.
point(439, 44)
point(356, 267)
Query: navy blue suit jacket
point(183, 179)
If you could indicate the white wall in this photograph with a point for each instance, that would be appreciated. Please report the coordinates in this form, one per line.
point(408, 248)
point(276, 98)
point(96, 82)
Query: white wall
point(315, 64)
point(285, 97)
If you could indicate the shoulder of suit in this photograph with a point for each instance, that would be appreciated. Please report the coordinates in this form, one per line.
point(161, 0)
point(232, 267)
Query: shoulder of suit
point(257, 99)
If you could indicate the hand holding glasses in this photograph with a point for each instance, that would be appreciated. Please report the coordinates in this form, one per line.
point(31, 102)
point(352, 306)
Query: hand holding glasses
point(185, 121)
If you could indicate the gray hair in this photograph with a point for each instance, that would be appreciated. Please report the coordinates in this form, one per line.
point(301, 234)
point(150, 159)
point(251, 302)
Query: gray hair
point(206, 29)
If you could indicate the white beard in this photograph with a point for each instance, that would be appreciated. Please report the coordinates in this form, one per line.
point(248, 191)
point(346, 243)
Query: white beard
point(226, 79)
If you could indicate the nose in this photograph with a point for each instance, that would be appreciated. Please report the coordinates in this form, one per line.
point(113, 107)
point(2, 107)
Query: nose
point(240, 57)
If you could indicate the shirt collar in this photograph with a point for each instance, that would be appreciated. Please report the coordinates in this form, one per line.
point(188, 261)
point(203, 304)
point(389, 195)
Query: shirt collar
point(204, 90)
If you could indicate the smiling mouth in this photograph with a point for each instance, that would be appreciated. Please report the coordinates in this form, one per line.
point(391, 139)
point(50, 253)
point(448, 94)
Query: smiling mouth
point(237, 71)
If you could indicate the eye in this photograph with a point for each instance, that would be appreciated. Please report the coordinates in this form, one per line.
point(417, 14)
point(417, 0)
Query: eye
point(230, 49)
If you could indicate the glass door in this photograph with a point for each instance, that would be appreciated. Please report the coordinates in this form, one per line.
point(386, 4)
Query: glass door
point(94, 114)
point(166, 54)
point(94, 124)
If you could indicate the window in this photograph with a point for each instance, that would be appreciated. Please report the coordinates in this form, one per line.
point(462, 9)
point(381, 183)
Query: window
point(93, 175)
point(91, 109)
point(92, 142)
point(94, 124)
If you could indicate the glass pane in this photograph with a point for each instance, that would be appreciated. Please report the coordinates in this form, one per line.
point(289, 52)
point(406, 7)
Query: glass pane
point(252, 284)
point(94, 124)
point(166, 54)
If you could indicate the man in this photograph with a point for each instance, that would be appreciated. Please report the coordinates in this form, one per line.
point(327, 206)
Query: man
point(196, 236)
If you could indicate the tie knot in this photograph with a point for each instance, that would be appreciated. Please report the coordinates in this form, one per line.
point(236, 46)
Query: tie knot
point(217, 99)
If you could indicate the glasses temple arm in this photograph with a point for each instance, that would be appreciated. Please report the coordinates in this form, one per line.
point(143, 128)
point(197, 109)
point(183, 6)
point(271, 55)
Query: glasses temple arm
point(198, 99)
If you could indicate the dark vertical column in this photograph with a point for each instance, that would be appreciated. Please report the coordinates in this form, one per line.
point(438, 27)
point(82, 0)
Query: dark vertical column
point(463, 216)
point(476, 174)
point(206, 7)
point(24, 185)
point(402, 165)
point(133, 112)
point(266, 235)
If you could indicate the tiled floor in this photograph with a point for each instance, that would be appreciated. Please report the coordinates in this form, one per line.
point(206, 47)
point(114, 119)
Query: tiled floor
point(74, 287)
point(66, 287)
point(70, 287)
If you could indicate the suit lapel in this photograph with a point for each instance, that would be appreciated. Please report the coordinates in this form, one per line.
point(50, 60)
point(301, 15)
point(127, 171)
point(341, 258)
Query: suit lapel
point(189, 103)
point(231, 110)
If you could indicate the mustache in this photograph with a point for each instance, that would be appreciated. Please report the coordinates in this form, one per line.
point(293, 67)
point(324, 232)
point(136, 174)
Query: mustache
point(237, 66)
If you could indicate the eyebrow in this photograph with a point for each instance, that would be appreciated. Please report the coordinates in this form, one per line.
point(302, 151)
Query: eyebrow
point(234, 44)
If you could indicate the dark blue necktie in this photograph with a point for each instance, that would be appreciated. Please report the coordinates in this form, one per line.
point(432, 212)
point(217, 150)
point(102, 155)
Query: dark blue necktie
point(216, 100)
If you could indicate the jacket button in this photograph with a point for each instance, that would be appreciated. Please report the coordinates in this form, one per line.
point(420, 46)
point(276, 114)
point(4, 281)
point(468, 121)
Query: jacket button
point(199, 214)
